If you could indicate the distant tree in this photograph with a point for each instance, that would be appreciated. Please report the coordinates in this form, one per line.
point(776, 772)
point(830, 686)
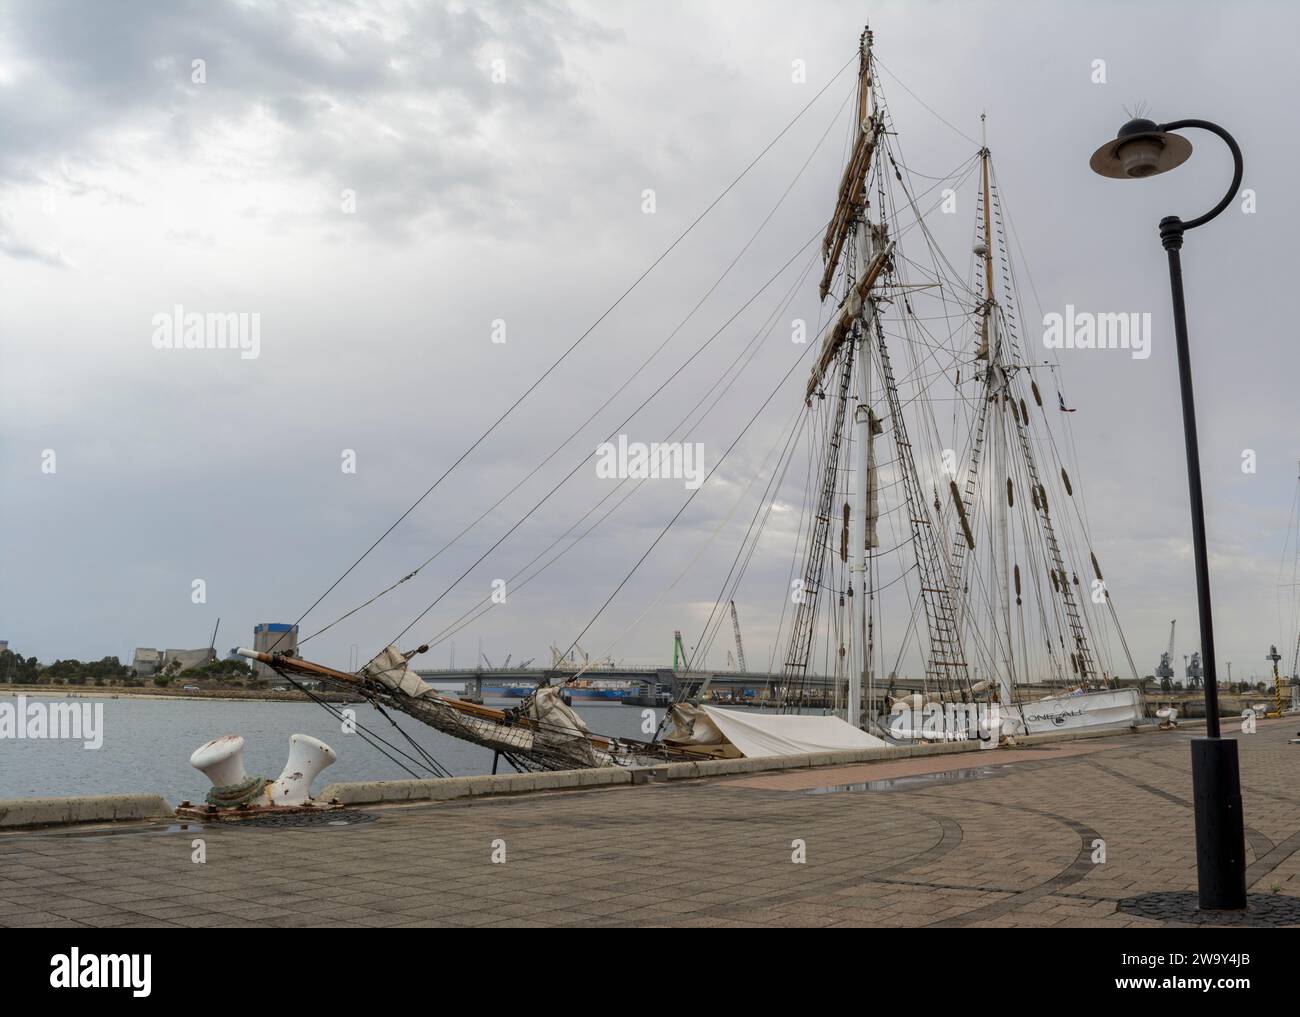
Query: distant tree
point(216, 668)
point(17, 670)
point(68, 670)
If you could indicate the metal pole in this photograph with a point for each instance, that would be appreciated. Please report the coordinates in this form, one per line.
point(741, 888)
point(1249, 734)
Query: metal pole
point(1173, 240)
point(1216, 775)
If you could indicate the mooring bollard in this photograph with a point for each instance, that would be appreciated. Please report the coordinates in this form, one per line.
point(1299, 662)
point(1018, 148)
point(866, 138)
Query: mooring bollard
point(235, 794)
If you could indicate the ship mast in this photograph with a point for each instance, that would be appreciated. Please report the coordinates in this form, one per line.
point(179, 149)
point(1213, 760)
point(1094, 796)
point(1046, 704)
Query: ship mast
point(863, 511)
point(1009, 448)
point(996, 392)
point(853, 352)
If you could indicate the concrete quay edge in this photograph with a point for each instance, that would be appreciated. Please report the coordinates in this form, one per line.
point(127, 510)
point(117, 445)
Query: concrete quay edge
point(18, 813)
point(449, 788)
point(28, 812)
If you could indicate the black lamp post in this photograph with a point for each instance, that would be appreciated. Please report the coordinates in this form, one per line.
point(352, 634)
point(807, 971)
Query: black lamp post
point(1143, 149)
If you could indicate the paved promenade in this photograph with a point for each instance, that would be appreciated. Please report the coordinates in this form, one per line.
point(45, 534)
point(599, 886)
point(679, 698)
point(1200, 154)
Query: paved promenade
point(980, 839)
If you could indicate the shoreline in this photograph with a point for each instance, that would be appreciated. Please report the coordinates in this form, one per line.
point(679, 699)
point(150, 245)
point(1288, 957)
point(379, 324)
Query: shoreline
point(203, 695)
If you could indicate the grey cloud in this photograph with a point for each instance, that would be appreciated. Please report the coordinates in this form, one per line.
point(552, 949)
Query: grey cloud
point(16, 247)
point(520, 201)
point(395, 102)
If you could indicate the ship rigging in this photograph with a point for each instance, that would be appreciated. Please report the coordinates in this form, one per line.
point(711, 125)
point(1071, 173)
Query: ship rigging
point(956, 541)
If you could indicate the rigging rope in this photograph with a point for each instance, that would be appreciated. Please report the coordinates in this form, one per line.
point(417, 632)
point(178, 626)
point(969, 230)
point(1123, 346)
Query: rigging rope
point(576, 343)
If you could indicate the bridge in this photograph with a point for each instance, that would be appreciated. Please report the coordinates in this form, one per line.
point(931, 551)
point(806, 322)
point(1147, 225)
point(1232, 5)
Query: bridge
point(657, 683)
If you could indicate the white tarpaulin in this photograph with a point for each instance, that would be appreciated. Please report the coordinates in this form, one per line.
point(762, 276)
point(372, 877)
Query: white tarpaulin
point(766, 734)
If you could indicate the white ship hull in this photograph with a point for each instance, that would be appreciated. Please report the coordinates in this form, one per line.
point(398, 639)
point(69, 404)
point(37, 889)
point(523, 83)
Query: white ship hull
point(1120, 708)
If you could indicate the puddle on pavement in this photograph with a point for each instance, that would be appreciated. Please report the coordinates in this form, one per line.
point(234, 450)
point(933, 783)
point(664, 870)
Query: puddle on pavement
point(132, 831)
point(915, 780)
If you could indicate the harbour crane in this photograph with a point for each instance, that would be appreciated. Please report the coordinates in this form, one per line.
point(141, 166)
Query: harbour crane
point(1165, 669)
point(1274, 656)
point(740, 649)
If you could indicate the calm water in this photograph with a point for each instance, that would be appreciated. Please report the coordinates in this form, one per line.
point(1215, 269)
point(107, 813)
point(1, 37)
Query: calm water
point(147, 746)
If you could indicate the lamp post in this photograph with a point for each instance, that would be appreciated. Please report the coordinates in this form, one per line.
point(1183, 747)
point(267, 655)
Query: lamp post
point(1141, 149)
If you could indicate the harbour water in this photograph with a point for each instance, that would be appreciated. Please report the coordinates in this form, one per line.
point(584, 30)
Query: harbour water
point(147, 745)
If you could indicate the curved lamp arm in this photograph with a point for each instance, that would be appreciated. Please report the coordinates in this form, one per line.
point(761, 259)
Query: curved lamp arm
point(1172, 225)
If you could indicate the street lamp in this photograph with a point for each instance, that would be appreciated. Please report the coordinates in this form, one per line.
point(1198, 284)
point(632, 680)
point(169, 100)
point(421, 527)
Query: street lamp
point(1142, 149)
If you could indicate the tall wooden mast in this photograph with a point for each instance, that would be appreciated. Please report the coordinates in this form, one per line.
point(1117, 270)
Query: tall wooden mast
point(1010, 440)
point(848, 204)
point(863, 519)
point(988, 224)
point(997, 393)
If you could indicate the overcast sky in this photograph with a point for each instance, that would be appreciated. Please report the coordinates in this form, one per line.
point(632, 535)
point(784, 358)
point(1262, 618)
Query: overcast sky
point(354, 174)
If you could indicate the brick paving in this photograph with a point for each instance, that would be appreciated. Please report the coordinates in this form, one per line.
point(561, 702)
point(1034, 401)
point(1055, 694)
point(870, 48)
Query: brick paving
point(1002, 838)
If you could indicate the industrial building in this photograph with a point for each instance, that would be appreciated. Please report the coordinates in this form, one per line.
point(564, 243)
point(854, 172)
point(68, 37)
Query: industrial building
point(273, 637)
point(148, 661)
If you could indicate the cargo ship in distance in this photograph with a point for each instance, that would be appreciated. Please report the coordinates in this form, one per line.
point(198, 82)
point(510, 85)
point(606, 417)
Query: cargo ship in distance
point(599, 689)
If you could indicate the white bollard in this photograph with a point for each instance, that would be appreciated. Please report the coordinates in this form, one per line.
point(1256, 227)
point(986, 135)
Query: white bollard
point(307, 757)
point(221, 760)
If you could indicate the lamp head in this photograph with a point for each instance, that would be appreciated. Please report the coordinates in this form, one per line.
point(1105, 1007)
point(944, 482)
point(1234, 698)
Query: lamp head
point(1140, 149)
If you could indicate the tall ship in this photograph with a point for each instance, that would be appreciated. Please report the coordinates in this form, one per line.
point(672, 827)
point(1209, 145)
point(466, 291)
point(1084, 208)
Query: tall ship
point(943, 566)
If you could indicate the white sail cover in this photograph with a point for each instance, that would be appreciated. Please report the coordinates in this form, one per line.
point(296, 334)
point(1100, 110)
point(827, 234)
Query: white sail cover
point(765, 734)
point(389, 667)
point(559, 727)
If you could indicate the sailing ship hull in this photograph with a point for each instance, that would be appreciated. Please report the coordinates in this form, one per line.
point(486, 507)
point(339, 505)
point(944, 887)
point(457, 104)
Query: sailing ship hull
point(1119, 708)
